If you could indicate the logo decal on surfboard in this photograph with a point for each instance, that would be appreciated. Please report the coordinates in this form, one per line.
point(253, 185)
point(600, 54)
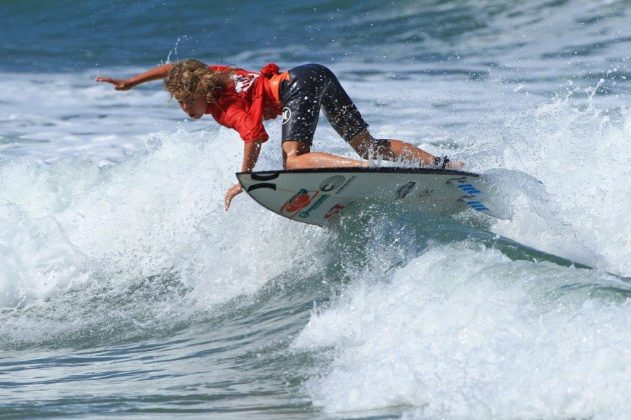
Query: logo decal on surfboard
point(468, 188)
point(471, 198)
point(305, 214)
point(476, 205)
point(298, 202)
point(336, 209)
point(332, 183)
point(404, 190)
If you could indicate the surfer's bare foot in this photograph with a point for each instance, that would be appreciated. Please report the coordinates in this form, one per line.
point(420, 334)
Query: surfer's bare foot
point(454, 164)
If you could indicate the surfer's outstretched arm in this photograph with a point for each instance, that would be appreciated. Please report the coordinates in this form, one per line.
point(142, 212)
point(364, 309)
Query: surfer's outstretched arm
point(156, 73)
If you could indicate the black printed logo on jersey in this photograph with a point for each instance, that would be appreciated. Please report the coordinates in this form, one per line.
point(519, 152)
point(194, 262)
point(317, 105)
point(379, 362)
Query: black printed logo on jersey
point(286, 115)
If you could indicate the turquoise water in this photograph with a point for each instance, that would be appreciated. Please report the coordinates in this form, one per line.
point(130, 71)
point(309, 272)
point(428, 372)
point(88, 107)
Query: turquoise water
point(126, 289)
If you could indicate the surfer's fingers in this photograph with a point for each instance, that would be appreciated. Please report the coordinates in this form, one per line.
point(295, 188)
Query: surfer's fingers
point(232, 192)
point(106, 80)
point(226, 203)
point(119, 84)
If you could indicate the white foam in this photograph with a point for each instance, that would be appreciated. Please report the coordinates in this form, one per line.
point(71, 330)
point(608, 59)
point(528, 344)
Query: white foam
point(466, 332)
point(580, 155)
point(53, 116)
point(74, 229)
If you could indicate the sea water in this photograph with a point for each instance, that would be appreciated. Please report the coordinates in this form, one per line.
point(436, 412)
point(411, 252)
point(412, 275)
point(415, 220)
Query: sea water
point(126, 289)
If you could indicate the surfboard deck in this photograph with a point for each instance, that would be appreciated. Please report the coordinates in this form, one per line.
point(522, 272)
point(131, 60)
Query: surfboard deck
point(318, 196)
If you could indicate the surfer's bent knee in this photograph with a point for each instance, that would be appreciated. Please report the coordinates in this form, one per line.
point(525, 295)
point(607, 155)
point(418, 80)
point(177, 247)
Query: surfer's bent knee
point(292, 148)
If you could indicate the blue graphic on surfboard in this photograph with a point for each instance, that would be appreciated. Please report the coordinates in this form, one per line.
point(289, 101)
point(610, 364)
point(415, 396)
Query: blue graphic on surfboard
point(318, 196)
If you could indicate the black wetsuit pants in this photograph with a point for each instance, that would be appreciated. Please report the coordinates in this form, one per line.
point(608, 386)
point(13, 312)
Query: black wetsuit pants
point(311, 87)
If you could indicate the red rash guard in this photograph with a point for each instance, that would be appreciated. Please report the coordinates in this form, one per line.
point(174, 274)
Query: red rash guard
point(248, 99)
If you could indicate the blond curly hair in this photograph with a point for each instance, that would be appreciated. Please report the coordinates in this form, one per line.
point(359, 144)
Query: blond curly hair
point(193, 79)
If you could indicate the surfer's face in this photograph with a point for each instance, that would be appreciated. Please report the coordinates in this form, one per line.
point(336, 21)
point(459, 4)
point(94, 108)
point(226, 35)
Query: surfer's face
point(195, 107)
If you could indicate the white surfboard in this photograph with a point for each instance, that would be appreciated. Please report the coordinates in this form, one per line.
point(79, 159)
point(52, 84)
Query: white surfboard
point(318, 196)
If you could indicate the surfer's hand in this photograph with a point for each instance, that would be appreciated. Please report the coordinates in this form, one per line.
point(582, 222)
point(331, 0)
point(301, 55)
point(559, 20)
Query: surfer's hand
point(232, 192)
point(119, 84)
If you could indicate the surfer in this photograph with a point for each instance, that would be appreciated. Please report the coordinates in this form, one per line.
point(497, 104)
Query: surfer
point(241, 100)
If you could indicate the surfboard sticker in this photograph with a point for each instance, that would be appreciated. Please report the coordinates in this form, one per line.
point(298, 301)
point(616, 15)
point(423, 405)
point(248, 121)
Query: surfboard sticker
point(318, 196)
